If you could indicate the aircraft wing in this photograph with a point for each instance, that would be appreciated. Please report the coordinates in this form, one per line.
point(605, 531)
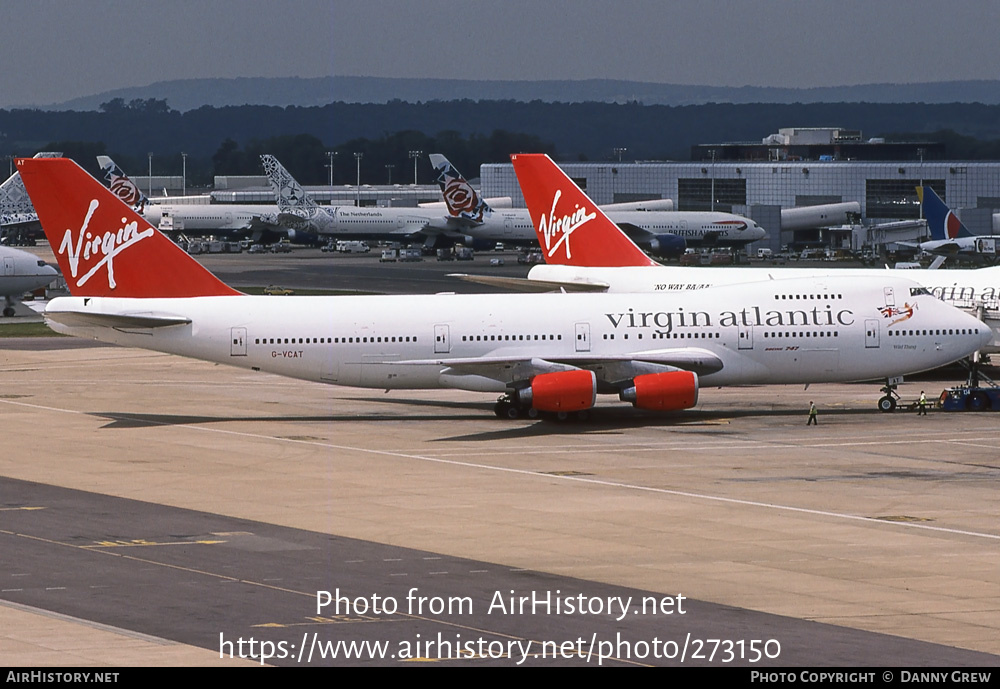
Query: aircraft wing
point(293, 221)
point(115, 320)
point(460, 223)
point(11, 220)
point(609, 369)
point(528, 285)
point(635, 233)
point(945, 247)
point(414, 226)
point(262, 223)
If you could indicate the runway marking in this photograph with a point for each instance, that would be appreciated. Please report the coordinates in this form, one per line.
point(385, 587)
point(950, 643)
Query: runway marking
point(225, 579)
point(14, 509)
point(587, 480)
point(140, 543)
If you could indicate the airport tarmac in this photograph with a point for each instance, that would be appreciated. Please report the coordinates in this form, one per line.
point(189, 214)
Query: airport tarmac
point(154, 506)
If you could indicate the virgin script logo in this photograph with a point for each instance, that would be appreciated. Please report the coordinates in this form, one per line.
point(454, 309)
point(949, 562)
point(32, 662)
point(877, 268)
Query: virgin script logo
point(904, 314)
point(91, 245)
point(562, 227)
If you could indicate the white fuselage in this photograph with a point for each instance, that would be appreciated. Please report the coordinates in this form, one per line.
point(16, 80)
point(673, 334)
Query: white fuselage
point(198, 217)
point(22, 272)
point(697, 228)
point(352, 222)
point(373, 223)
point(775, 332)
point(976, 290)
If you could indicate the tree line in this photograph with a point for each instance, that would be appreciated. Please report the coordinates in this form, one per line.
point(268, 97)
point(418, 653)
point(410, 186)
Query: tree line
point(227, 140)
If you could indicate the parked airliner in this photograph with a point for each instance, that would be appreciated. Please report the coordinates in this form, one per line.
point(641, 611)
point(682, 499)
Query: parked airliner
point(17, 215)
point(21, 272)
point(546, 353)
point(600, 258)
point(191, 218)
point(949, 235)
point(665, 233)
point(298, 212)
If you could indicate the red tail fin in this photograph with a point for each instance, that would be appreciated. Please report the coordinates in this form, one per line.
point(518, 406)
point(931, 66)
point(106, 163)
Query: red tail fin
point(571, 228)
point(104, 248)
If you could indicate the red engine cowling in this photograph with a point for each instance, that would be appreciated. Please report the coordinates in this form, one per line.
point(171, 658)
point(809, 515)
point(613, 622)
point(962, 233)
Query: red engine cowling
point(667, 391)
point(563, 391)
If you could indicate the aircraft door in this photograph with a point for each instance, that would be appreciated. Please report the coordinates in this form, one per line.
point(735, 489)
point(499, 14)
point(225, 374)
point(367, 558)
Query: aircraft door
point(890, 296)
point(745, 337)
point(583, 337)
point(508, 227)
point(8, 265)
point(238, 338)
point(871, 333)
point(442, 339)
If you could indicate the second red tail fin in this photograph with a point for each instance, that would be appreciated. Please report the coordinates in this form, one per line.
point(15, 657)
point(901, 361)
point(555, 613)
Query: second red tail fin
point(571, 228)
point(104, 248)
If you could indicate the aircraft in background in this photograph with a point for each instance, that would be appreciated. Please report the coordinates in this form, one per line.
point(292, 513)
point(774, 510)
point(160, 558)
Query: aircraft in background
point(18, 221)
point(299, 213)
point(598, 257)
point(191, 218)
point(949, 235)
point(548, 353)
point(21, 272)
point(664, 233)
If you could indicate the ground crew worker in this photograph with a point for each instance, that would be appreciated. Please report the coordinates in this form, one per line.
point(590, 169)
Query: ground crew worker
point(812, 414)
point(922, 404)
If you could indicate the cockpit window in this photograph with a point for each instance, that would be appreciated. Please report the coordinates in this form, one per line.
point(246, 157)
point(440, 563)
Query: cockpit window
point(916, 291)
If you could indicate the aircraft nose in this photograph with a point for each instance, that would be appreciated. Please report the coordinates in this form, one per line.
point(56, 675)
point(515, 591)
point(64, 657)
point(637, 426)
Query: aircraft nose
point(981, 333)
point(985, 336)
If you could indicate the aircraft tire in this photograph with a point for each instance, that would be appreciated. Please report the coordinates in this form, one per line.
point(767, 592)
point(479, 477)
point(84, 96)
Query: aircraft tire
point(886, 404)
point(8, 311)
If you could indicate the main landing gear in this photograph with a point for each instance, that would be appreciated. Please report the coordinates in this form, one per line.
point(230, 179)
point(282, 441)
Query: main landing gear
point(507, 408)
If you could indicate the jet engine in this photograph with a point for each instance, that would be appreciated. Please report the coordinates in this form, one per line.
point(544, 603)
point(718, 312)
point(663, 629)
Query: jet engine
point(479, 244)
point(667, 245)
point(668, 391)
point(563, 391)
point(304, 238)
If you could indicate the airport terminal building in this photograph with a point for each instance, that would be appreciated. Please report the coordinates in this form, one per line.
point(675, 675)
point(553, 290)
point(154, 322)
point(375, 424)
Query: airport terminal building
point(886, 191)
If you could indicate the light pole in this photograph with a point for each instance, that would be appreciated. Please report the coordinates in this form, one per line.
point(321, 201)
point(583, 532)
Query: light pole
point(389, 168)
point(920, 152)
point(184, 174)
point(713, 178)
point(331, 155)
point(415, 155)
point(357, 189)
point(149, 183)
point(619, 151)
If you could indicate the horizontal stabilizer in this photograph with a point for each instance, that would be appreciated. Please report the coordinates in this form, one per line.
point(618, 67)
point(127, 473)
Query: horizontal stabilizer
point(80, 319)
point(529, 285)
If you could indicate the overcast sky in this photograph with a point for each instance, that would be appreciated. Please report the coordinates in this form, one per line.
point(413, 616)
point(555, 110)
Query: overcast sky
point(54, 50)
